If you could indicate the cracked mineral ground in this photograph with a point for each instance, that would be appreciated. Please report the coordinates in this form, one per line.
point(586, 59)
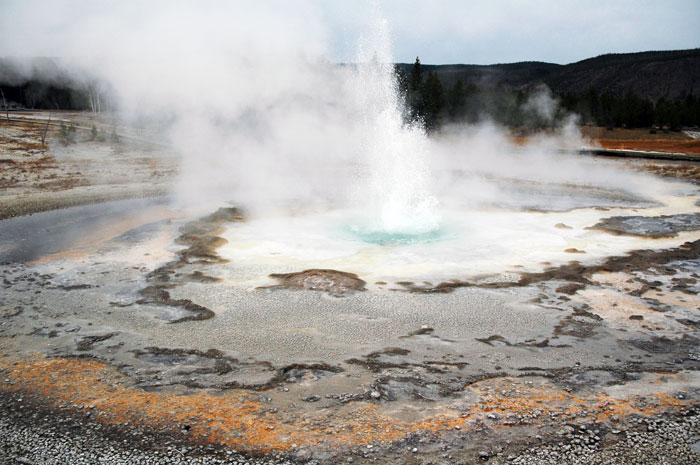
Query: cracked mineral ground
point(533, 332)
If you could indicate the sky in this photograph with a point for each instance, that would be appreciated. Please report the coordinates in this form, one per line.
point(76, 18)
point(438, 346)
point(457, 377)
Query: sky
point(506, 31)
point(439, 31)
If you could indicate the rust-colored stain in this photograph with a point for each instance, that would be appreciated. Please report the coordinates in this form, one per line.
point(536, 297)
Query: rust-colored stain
point(675, 146)
point(238, 419)
point(630, 139)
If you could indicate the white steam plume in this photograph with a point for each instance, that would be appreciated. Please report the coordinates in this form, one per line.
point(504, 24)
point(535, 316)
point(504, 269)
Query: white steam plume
point(262, 117)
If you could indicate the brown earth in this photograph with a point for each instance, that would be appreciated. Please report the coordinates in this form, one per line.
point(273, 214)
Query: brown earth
point(331, 281)
point(629, 139)
point(642, 139)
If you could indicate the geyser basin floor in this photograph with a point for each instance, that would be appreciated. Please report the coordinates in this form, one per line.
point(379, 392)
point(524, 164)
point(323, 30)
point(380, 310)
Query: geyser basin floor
point(453, 376)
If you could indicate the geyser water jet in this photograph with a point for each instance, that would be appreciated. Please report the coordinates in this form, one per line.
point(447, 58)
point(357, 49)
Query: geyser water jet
point(397, 196)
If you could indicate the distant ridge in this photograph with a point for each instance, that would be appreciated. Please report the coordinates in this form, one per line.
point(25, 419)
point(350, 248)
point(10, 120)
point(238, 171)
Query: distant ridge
point(655, 74)
point(44, 82)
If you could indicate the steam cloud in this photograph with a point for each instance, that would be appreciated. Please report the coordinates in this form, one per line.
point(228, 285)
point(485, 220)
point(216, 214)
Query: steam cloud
point(263, 117)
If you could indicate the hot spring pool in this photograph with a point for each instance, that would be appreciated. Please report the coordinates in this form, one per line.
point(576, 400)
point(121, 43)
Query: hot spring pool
point(469, 242)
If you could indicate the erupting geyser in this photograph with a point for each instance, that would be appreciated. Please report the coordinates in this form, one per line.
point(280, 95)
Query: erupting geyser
point(389, 204)
point(399, 203)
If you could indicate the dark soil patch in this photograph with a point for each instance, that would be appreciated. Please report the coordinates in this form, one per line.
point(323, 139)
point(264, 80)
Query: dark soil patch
point(158, 296)
point(192, 362)
point(87, 342)
point(575, 272)
point(570, 289)
point(666, 345)
point(200, 237)
point(332, 281)
point(580, 324)
point(656, 226)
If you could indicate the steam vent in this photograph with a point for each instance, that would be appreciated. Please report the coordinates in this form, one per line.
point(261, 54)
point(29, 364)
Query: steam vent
point(268, 234)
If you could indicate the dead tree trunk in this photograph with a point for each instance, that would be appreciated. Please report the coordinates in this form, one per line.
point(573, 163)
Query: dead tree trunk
point(4, 103)
point(46, 129)
point(92, 100)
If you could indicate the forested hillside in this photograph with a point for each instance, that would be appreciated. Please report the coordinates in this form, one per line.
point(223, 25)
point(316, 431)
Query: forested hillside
point(617, 90)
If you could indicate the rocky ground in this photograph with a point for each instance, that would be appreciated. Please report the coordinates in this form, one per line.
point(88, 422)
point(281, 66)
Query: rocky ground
point(51, 437)
point(33, 434)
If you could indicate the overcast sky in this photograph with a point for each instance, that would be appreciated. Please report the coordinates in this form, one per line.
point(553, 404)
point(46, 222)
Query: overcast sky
point(439, 31)
point(504, 31)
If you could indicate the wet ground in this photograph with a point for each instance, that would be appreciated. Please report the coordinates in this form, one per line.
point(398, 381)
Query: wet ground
point(26, 238)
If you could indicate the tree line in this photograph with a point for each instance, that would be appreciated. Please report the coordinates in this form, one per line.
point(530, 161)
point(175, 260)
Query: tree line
point(428, 101)
point(633, 111)
point(34, 94)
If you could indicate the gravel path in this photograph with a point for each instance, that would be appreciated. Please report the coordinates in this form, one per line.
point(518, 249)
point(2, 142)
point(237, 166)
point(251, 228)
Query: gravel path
point(655, 442)
point(31, 435)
